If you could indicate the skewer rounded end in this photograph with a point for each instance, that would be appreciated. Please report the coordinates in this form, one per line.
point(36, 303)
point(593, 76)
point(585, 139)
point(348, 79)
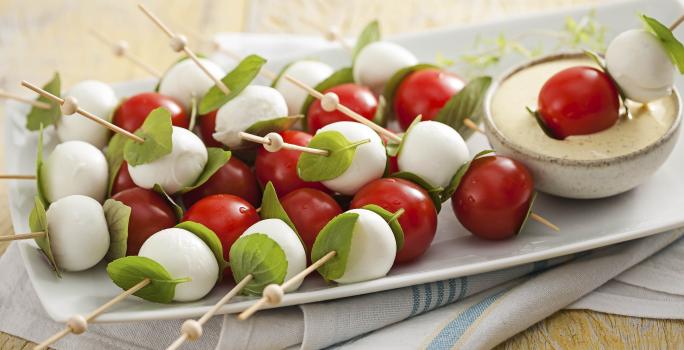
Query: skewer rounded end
point(178, 42)
point(330, 101)
point(192, 329)
point(275, 142)
point(77, 324)
point(69, 106)
point(274, 294)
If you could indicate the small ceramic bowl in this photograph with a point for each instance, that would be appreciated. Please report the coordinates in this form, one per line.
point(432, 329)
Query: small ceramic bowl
point(582, 179)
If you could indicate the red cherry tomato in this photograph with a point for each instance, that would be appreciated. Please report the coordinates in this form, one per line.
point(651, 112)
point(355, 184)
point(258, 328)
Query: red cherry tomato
point(132, 112)
point(578, 101)
point(281, 167)
point(150, 213)
point(123, 180)
point(494, 197)
point(424, 92)
point(310, 210)
point(356, 97)
point(207, 125)
point(235, 178)
point(419, 220)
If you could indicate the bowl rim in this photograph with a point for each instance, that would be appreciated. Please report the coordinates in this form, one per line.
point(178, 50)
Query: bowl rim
point(496, 132)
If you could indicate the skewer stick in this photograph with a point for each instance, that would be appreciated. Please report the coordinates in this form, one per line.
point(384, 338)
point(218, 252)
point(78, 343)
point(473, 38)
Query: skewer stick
point(542, 220)
point(70, 106)
point(676, 23)
point(39, 104)
point(472, 126)
point(192, 329)
point(21, 236)
point(273, 293)
point(120, 49)
point(78, 324)
point(331, 33)
point(179, 43)
point(17, 177)
point(273, 142)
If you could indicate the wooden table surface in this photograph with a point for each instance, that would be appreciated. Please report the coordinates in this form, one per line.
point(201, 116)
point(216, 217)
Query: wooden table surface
point(39, 37)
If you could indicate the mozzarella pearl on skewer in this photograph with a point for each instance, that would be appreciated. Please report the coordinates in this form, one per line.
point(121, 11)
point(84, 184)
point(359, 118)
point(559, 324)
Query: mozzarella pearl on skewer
point(79, 236)
point(95, 97)
point(310, 73)
point(176, 170)
point(185, 80)
point(378, 61)
point(75, 167)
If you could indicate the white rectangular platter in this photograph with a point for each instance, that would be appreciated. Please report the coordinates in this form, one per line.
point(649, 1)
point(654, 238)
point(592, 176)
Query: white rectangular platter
point(654, 207)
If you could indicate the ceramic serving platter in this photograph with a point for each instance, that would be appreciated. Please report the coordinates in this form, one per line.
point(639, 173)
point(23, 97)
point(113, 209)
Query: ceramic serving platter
point(654, 207)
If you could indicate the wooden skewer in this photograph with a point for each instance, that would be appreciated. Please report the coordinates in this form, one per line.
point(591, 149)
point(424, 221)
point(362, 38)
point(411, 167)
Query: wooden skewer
point(273, 142)
point(331, 34)
point(21, 236)
point(192, 329)
point(472, 126)
point(17, 177)
point(39, 104)
point(78, 324)
point(70, 106)
point(120, 49)
point(542, 220)
point(179, 43)
point(676, 23)
point(273, 293)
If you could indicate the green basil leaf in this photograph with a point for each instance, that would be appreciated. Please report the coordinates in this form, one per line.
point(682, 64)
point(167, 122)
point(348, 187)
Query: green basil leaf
point(115, 157)
point(257, 255)
point(465, 104)
point(39, 116)
point(156, 131)
point(335, 236)
point(236, 81)
point(370, 34)
point(339, 77)
point(193, 113)
point(128, 271)
point(393, 221)
point(118, 216)
point(542, 124)
point(673, 46)
point(216, 159)
point(393, 84)
point(264, 127)
point(456, 180)
point(394, 148)
point(281, 73)
point(314, 167)
point(38, 223)
point(271, 207)
point(434, 192)
point(210, 238)
point(529, 212)
point(380, 116)
point(177, 209)
point(40, 171)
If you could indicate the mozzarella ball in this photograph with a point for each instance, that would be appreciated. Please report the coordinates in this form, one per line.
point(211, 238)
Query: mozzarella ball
point(185, 79)
point(433, 151)
point(255, 103)
point(75, 167)
point(378, 61)
point(373, 248)
point(310, 73)
point(369, 160)
point(97, 98)
point(79, 236)
point(183, 254)
point(287, 239)
point(640, 65)
point(176, 170)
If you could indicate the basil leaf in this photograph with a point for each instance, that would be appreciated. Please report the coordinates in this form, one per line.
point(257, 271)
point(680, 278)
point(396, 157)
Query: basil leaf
point(39, 116)
point(118, 216)
point(38, 223)
point(40, 186)
point(393, 148)
point(128, 271)
point(156, 131)
point(673, 46)
point(115, 158)
point(210, 239)
point(465, 104)
point(281, 73)
point(314, 167)
point(271, 207)
point(542, 124)
point(393, 84)
point(216, 159)
point(529, 212)
point(456, 180)
point(264, 127)
point(433, 192)
point(339, 77)
point(335, 236)
point(393, 221)
point(236, 81)
point(380, 116)
point(260, 256)
point(177, 209)
point(370, 34)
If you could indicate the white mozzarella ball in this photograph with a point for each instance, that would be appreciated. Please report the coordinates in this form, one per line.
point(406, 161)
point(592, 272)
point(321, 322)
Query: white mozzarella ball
point(369, 160)
point(433, 151)
point(373, 248)
point(176, 170)
point(97, 98)
point(310, 73)
point(255, 103)
point(378, 61)
point(75, 167)
point(287, 239)
point(185, 79)
point(79, 236)
point(183, 254)
point(640, 65)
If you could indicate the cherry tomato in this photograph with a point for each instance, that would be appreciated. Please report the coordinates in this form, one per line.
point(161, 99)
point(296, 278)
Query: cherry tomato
point(281, 167)
point(578, 101)
point(494, 197)
point(419, 220)
point(207, 125)
point(310, 210)
point(123, 180)
point(235, 178)
point(356, 97)
point(424, 92)
point(150, 213)
point(132, 112)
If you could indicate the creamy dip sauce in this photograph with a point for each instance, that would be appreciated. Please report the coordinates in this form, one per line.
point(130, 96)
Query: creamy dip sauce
point(627, 135)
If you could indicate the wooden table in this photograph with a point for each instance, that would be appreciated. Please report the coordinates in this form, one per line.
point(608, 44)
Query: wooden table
point(38, 37)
